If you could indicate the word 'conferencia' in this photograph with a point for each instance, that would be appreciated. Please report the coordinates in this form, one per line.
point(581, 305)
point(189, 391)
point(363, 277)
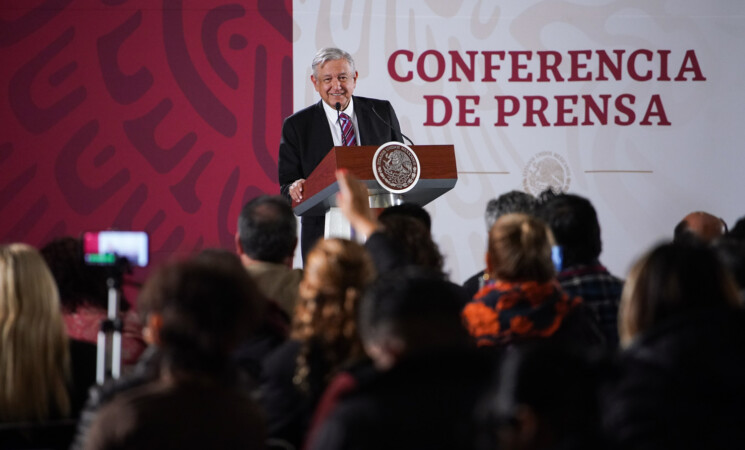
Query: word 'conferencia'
point(549, 66)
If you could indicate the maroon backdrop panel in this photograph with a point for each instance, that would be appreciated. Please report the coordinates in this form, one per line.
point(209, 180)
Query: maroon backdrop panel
point(142, 115)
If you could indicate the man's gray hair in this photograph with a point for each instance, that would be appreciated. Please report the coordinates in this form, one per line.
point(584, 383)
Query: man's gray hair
point(331, 54)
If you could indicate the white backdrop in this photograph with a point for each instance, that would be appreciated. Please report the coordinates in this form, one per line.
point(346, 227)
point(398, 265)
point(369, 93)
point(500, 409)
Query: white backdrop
point(642, 179)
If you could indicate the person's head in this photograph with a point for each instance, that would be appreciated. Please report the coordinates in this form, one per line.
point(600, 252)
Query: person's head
point(267, 230)
point(546, 396)
point(409, 210)
point(731, 252)
point(408, 311)
point(199, 310)
point(334, 76)
point(520, 249)
point(509, 202)
point(669, 280)
point(699, 226)
point(78, 283)
point(34, 354)
point(574, 224)
point(738, 231)
point(335, 275)
point(414, 240)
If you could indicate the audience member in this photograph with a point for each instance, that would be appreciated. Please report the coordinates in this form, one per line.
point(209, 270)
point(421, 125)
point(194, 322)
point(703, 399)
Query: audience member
point(525, 301)
point(84, 296)
point(699, 226)
point(273, 325)
point(738, 231)
point(266, 240)
point(546, 397)
point(148, 368)
point(409, 210)
point(731, 252)
point(574, 224)
point(428, 377)
point(683, 364)
point(38, 382)
point(396, 240)
point(200, 311)
point(510, 202)
point(402, 241)
point(323, 338)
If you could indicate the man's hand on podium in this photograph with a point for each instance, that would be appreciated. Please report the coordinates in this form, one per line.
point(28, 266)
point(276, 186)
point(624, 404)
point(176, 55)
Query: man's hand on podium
point(296, 189)
point(354, 203)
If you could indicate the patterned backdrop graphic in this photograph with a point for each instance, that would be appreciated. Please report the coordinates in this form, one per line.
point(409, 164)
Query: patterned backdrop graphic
point(142, 115)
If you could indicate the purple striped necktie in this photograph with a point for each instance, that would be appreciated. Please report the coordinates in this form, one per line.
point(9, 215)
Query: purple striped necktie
point(347, 131)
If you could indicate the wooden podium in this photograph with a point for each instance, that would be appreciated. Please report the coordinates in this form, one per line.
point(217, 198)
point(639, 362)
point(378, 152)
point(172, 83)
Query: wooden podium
point(438, 175)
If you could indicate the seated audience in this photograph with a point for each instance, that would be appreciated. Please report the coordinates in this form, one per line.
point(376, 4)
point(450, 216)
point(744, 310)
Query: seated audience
point(37, 381)
point(197, 311)
point(699, 226)
point(409, 210)
point(546, 397)
point(525, 301)
point(269, 333)
point(84, 297)
point(428, 378)
point(34, 352)
point(574, 224)
point(399, 237)
point(323, 338)
point(683, 364)
point(509, 202)
point(265, 241)
point(402, 241)
point(731, 252)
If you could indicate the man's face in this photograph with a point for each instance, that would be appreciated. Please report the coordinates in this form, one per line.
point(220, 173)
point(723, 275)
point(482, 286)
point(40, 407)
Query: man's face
point(335, 82)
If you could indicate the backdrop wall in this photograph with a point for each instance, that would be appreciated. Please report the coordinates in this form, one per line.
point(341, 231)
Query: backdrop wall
point(165, 116)
point(156, 116)
point(634, 104)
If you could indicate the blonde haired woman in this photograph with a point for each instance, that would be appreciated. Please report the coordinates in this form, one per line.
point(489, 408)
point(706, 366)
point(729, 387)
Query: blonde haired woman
point(34, 352)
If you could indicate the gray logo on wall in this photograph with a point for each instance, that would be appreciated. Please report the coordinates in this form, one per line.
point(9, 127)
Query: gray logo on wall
point(546, 170)
point(396, 167)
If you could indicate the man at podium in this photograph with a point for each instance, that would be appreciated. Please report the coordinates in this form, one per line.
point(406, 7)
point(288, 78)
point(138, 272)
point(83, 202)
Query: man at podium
point(338, 119)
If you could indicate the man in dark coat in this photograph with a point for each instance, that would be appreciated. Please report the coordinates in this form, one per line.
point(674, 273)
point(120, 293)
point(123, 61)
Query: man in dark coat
point(309, 134)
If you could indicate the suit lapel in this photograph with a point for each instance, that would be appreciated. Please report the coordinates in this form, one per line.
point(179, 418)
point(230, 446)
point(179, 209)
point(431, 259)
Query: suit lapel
point(321, 123)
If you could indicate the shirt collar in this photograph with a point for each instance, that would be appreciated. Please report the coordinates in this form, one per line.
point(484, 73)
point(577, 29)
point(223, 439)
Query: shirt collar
point(331, 112)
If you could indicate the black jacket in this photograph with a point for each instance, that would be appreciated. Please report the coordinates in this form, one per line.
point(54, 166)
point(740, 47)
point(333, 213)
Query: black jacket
point(681, 385)
point(425, 402)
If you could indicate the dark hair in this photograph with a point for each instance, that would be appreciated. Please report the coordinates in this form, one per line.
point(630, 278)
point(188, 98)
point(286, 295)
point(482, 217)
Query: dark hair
point(268, 229)
point(738, 231)
point(574, 224)
point(415, 304)
point(79, 283)
point(732, 254)
point(409, 210)
point(683, 235)
point(414, 240)
point(669, 280)
point(510, 202)
point(559, 383)
point(208, 306)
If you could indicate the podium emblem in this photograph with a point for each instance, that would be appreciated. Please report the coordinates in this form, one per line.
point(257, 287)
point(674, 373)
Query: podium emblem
point(396, 167)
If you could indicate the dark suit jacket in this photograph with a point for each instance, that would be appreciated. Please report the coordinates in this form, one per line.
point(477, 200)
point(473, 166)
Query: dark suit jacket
point(306, 140)
point(306, 137)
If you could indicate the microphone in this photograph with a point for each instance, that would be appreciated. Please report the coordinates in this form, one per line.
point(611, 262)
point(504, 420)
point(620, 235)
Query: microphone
point(390, 126)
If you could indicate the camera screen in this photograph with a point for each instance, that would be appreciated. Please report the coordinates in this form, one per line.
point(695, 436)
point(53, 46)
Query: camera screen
point(104, 247)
